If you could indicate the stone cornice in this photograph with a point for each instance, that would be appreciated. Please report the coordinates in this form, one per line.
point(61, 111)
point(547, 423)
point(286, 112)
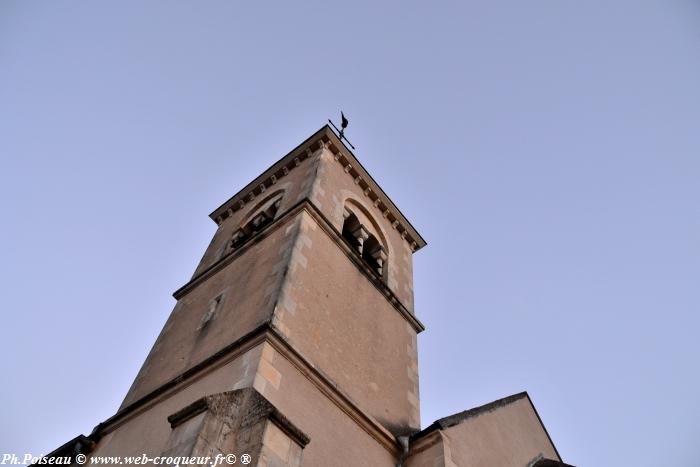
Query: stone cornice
point(222, 404)
point(231, 256)
point(324, 138)
point(318, 216)
point(426, 442)
point(263, 333)
point(187, 377)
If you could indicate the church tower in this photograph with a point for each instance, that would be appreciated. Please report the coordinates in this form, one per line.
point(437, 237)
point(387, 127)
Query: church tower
point(305, 296)
point(294, 342)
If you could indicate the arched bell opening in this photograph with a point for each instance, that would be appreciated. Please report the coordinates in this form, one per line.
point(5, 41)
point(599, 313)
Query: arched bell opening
point(353, 232)
point(257, 222)
point(365, 244)
point(374, 255)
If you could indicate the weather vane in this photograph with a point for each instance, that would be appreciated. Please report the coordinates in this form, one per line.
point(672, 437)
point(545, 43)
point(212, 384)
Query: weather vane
point(343, 125)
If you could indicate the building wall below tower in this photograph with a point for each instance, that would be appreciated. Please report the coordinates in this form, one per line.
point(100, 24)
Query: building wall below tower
point(510, 435)
point(337, 438)
point(504, 433)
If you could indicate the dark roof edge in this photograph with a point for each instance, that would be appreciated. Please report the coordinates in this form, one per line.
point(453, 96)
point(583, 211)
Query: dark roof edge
point(456, 419)
point(277, 165)
point(534, 409)
point(551, 463)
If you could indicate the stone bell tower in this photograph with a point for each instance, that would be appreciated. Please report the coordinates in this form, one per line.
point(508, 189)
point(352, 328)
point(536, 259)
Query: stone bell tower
point(294, 342)
point(304, 298)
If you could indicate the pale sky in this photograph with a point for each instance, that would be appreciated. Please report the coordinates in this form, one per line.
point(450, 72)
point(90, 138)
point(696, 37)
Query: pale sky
point(548, 151)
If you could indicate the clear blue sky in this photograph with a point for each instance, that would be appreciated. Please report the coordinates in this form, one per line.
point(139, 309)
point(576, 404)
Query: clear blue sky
point(547, 150)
